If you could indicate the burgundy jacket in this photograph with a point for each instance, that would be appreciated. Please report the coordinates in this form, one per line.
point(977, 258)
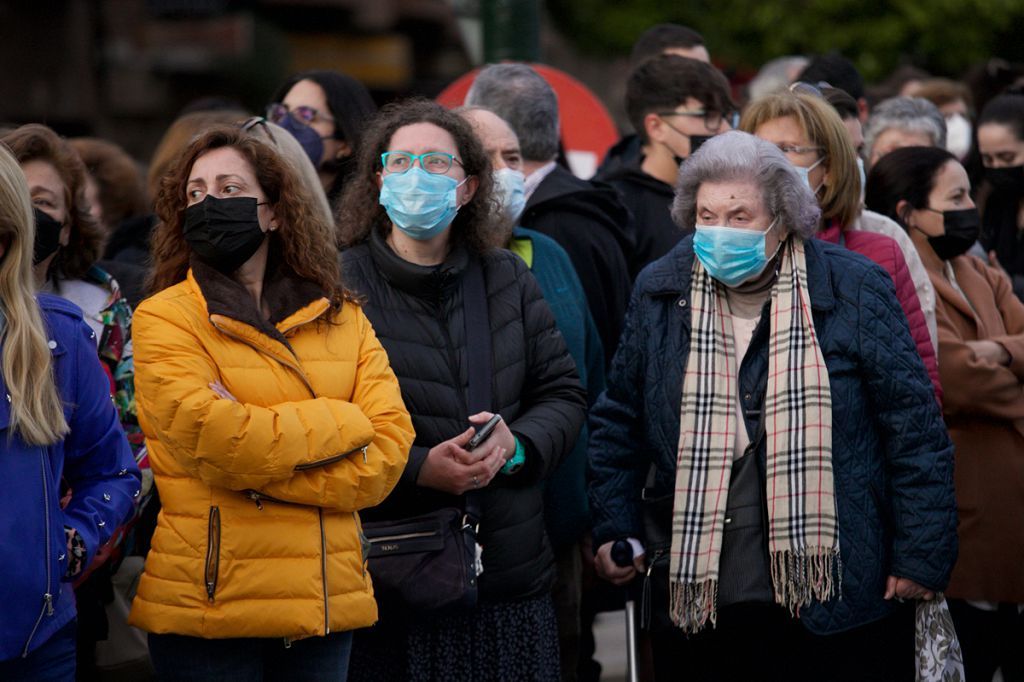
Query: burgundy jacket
point(886, 252)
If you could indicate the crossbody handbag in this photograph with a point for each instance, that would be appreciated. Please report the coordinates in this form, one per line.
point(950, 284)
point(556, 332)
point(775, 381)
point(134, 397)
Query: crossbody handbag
point(428, 565)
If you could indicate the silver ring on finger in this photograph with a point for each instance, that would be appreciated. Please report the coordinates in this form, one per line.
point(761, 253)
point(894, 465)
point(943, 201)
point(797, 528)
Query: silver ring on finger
point(476, 482)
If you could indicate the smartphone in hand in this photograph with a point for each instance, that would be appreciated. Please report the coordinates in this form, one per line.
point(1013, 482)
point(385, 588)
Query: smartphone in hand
point(483, 433)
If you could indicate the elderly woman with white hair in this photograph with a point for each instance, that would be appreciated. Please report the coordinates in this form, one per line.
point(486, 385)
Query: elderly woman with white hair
point(769, 445)
point(902, 122)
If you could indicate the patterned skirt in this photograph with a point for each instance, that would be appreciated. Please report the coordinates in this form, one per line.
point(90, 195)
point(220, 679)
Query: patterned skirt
point(498, 642)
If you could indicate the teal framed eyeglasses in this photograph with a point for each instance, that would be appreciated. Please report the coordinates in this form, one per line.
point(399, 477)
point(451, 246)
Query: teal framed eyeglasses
point(432, 162)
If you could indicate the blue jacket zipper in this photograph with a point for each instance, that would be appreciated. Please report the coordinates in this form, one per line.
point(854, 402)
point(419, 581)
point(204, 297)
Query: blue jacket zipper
point(47, 609)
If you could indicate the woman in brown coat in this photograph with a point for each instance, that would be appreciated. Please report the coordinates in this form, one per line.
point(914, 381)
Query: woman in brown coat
point(981, 365)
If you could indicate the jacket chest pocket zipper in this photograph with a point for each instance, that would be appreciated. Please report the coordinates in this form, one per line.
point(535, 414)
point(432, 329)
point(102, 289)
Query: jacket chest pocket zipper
point(212, 553)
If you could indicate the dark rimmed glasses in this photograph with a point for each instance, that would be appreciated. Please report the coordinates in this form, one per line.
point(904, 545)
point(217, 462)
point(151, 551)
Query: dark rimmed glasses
point(277, 112)
point(712, 119)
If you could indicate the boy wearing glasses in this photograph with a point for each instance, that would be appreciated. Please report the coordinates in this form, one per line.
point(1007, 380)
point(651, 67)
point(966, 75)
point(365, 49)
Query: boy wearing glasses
point(674, 104)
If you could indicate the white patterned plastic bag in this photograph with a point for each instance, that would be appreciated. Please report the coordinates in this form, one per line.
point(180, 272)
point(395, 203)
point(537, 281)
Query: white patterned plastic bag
point(939, 658)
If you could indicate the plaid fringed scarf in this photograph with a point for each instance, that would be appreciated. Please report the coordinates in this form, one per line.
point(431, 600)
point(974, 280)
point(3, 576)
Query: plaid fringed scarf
point(803, 540)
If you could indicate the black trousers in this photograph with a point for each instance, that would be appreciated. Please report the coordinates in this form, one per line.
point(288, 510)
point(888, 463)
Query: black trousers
point(179, 658)
point(990, 640)
point(762, 642)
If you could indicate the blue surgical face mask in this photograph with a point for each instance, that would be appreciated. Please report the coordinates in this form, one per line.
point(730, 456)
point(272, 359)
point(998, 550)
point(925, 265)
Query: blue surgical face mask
point(805, 174)
point(420, 204)
point(308, 139)
point(732, 255)
point(509, 189)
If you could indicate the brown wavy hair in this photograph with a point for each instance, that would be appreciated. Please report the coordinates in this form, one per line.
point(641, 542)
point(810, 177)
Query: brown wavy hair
point(35, 142)
point(359, 210)
point(118, 179)
point(304, 240)
point(178, 136)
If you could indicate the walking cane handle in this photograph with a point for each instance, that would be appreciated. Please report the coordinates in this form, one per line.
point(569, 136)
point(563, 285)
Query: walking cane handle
point(622, 553)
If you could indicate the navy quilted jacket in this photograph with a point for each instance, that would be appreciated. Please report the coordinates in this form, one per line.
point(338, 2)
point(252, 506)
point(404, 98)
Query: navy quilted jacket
point(892, 457)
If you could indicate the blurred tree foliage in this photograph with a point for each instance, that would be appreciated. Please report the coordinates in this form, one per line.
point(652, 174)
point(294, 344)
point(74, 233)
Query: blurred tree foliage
point(943, 36)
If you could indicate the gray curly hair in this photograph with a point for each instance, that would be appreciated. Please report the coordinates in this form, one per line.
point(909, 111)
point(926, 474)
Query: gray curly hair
point(738, 156)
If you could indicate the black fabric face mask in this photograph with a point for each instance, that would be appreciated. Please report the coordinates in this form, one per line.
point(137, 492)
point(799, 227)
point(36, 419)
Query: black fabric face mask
point(695, 142)
point(224, 233)
point(1010, 179)
point(962, 229)
point(47, 236)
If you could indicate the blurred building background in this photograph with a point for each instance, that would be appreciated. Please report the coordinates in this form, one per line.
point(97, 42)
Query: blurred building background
point(123, 69)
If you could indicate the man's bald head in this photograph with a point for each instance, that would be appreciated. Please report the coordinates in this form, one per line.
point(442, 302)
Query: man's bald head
point(496, 135)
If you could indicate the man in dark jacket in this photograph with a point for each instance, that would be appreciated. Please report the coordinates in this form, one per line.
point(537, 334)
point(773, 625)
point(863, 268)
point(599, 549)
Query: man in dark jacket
point(659, 39)
point(674, 104)
point(586, 219)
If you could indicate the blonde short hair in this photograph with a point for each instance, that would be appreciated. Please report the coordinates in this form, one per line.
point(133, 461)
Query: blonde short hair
point(840, 198)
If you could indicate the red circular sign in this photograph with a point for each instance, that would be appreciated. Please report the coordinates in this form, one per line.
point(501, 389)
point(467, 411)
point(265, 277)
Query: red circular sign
point(587, 128)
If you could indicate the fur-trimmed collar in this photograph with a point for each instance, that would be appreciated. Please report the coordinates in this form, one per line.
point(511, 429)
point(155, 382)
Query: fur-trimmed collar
point(283, 291)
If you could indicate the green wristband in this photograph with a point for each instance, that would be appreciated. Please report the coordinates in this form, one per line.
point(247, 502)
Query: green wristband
point(515, 463)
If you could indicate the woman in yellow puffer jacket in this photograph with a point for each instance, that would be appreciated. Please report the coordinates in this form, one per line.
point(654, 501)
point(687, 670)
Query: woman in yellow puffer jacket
point(272, 417)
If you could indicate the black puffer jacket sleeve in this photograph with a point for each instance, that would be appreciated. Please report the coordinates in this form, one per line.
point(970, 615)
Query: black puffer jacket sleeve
point(548, 428)
point(411, 474)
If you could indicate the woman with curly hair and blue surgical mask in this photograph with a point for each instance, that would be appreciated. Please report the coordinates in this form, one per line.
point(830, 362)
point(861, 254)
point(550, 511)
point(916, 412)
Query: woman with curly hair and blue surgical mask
point(418, 221)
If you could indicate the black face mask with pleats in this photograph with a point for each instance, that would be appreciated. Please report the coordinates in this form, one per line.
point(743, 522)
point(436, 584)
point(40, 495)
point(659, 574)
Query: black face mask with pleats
point(1009, 179)
point(962, 229)
point(695, 142)
point(47, 236)
point(224, 233)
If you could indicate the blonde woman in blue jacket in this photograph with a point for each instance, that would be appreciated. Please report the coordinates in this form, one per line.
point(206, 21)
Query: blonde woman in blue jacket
point(58, 423)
